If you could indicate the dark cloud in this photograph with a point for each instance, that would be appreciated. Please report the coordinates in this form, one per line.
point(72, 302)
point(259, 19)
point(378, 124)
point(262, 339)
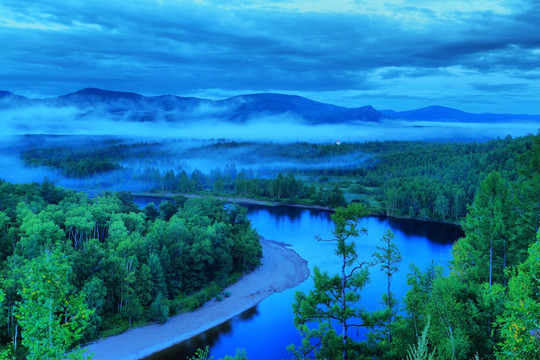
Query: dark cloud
point(393, 73)
point(496, 88)
point(158, 47)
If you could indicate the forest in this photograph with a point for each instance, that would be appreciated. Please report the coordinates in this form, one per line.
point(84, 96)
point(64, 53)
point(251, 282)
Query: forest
point(101, 265)
point(270, 180)
point(422, 180)
point(486, 307)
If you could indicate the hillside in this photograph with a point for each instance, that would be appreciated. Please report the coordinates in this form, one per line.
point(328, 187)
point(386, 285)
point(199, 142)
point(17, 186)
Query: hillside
point(445, 114)
point(238, 109)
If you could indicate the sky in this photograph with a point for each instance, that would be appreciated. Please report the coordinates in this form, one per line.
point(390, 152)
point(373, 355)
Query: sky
point(477, 56)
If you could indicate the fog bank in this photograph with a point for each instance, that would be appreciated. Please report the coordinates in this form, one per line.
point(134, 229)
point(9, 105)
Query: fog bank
point(280, 128)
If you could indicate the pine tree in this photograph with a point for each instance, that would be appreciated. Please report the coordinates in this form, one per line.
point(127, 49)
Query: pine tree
point(335, 297)
point(389, 259)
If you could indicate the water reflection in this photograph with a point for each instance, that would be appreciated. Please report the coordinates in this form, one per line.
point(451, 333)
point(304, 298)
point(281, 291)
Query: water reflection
point(440, 233)
point(287, 213)
point(249, 313)
point(266, 330)
point(209, 338)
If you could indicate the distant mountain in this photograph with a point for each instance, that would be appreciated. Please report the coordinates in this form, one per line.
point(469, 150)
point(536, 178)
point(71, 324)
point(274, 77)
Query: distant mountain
point(315, 112)
point(136, 107)
point(93, 96)
point(445, 114)
point(91, 103)
point(8, 99)
point(131, 106)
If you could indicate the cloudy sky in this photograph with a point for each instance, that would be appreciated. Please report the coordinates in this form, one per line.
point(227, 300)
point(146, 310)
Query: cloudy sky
point(478, 56)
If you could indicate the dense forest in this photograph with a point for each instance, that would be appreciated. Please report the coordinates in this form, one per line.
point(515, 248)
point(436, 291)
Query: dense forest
point(424, 180)
point(486, 307)
point(101, 265)
point(75, 268)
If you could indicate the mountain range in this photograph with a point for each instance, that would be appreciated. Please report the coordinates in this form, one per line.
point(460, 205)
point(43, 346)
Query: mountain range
point(238, 109)
point(445, 114)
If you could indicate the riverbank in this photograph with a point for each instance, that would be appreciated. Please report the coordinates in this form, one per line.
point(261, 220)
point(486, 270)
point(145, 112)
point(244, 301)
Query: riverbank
point(281, 269)
point(232, 199)
point(248, 201)
point(419, 220)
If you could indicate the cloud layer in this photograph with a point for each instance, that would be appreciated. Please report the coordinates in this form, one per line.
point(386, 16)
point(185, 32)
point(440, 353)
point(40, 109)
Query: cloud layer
point(477, 55)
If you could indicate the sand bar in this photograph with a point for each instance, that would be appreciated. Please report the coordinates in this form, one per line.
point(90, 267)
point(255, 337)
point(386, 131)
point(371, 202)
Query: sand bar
point(281, 269)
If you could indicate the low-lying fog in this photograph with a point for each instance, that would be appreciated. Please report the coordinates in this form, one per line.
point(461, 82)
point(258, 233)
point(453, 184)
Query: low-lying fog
point(280, 128)
point(198, 152)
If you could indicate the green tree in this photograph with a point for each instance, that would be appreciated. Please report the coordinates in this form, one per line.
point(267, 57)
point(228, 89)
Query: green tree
point(458, 206)
point(336, 198)
point(53, 317)
point(441, 206)
point(482, 255)
point(95, 294)
point(158, 277)
point(453, 316)
point(38, 233)
point(415, 312)
point(169, 181)
point(335, 297)
point(389, 258)
point(218, 186)
point(159, 310)
point(520, 323)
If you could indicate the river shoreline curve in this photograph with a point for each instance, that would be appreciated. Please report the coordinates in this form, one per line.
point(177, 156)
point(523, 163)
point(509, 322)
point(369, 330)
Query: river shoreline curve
point(231, 199)
point(282, 268)
point(249, 201)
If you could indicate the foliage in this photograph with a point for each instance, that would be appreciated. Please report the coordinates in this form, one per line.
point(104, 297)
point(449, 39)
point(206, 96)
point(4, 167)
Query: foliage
point(201, 354)
point(486, 228)
point(52, 315)
point(335, 297)
point(204, 354)
point(472, 312)
point(520, 322)
point(159, 310)
point(420, 351)
point(185, 252)
point(417, 179)
point(383, 321)
point(76, 268)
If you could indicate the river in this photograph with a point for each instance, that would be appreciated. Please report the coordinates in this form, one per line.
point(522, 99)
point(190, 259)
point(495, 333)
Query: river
point(265, 330)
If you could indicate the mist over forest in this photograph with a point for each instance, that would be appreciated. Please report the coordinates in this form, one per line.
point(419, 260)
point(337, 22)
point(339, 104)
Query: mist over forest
point(187, 134)
point(168, 166)
point(258, 117)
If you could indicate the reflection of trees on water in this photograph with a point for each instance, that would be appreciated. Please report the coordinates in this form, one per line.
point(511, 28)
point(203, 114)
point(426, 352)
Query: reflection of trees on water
point(249, 314)
point(439, 233)
point(209, 338)
point(281, 212)
point(291, 213)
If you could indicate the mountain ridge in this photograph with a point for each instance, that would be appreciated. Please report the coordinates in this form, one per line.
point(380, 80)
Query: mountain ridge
point(447, 114)
point(241, 108)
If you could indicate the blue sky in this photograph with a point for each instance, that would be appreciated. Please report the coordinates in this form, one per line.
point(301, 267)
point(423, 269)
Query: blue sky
point(478, 56)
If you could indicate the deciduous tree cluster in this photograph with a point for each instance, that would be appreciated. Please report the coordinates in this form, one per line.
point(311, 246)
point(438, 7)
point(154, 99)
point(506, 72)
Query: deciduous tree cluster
point(74, 267)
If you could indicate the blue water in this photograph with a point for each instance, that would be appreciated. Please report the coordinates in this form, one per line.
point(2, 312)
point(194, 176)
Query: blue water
point(267, 329)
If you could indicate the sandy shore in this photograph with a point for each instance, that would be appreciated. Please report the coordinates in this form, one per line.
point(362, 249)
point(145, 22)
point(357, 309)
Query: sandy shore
point(281, 269)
